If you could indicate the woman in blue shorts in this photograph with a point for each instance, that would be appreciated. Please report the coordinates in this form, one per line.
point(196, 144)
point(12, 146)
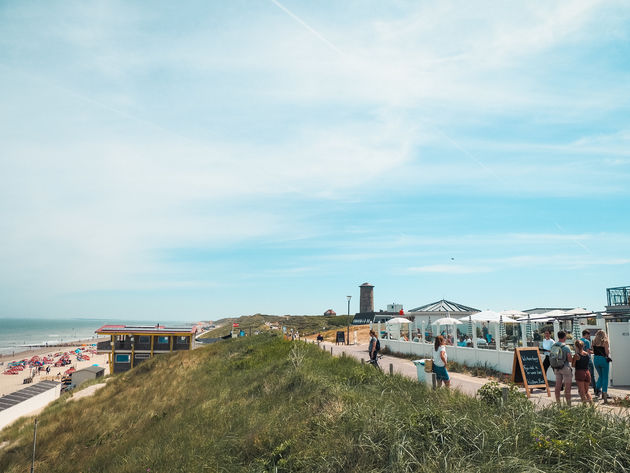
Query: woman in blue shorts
point(439, 362)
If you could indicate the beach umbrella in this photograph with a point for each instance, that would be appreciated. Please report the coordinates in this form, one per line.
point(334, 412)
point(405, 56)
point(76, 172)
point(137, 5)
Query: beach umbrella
point(576, 329)
point(447, 321)
point(528, 329)
point(501, 329)
point(398, 320)
point(470, 327)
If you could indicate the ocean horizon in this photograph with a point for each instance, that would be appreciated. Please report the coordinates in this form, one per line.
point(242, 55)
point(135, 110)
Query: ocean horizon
point(18, 334)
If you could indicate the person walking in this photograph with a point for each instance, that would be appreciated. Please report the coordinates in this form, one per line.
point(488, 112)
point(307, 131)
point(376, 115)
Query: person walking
point(373, 348)
point(439, 362)
point(586, 339)
point(547, 343)
point(581, 361)
point(601, 360)
point(560, 360)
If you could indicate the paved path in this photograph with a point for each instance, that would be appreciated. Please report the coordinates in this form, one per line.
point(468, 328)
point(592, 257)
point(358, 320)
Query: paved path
point(470, 384)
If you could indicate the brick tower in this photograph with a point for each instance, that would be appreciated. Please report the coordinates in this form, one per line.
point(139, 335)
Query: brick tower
point(366, 300)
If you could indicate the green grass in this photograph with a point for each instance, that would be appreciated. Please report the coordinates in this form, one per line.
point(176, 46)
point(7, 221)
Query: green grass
point(305, 324)
point(257, 403)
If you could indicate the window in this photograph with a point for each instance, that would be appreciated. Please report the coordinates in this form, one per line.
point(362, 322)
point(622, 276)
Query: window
point(122, 359)
point(162, 339)
point(142, 356)
point(183, 340)
point(144, 339)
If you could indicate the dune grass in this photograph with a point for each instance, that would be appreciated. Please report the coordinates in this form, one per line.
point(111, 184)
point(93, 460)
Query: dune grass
point(260, 403)
point(305, 324)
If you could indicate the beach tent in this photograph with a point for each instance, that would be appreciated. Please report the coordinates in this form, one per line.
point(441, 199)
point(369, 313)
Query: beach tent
point(490, 316)
point(579, 311)
point(513, 313)
point(555, 313)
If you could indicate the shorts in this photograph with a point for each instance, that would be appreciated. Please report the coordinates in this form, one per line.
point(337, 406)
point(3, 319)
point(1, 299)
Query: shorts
point(583, 376)
point(563, 376)
point(441, 373)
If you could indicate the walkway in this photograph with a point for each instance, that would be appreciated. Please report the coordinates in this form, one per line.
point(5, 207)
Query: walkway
point(470, 384)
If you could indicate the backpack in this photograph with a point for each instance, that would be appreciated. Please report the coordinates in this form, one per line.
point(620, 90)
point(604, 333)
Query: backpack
point(557, 356)
point(378, 345)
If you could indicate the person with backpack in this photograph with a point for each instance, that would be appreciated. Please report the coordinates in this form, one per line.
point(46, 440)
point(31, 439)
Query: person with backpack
point(560, 360)
point(374, 347)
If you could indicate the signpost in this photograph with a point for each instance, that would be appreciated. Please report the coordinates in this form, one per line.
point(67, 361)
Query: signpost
point(527, 369)
point(340, 337)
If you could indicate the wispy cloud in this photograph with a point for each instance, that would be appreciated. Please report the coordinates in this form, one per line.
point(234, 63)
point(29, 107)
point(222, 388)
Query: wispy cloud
point(335, 127)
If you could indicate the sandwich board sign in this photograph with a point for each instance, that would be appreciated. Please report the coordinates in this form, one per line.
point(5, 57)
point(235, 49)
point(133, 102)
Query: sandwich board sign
point(527, 369)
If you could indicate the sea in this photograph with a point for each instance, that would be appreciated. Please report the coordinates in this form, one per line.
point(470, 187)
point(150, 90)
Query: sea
point(19, 334)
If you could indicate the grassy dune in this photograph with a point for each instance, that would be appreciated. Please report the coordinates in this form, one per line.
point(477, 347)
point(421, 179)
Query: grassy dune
point(305, 324)
point(258, 403)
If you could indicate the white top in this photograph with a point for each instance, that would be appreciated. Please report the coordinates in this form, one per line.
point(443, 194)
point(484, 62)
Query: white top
point(547, 344)
point(437, 358)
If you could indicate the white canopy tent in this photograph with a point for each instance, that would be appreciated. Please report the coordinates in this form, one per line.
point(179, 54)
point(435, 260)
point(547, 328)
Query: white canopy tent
point(489, 316)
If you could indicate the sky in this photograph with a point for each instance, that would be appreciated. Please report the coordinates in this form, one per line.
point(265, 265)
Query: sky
point(198, 160)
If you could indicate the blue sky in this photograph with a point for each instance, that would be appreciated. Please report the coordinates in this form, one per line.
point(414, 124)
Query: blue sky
point(208, 159)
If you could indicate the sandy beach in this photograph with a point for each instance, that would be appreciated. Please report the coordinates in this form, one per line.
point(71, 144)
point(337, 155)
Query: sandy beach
point(12, 383)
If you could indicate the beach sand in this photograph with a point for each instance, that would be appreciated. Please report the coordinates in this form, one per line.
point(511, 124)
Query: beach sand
point(363, 334)
point(11, 383)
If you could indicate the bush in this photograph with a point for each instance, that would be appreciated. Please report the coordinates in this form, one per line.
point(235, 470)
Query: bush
point(492, 393)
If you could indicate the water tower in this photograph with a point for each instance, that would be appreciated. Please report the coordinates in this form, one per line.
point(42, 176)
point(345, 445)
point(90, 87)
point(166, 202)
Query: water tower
point(366, 300)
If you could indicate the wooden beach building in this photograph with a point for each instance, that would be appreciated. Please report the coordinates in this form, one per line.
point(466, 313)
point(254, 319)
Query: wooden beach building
point(130, 345)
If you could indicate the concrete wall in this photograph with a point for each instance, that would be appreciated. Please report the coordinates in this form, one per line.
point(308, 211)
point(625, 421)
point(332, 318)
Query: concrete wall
point(10, 415)
point(500, 360)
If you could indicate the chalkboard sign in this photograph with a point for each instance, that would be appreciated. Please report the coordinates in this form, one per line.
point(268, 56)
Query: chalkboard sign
point(341, 337)
point(528, 370)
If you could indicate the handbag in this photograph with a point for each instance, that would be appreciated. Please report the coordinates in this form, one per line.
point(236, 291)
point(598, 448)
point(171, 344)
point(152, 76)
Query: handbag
point(609, 359)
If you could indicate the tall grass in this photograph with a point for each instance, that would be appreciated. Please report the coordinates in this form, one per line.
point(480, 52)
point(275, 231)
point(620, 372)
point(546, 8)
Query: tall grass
point(305, 324)
point(260, 403)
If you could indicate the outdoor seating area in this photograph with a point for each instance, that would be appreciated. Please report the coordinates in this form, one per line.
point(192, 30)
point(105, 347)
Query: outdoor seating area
point(468, 338)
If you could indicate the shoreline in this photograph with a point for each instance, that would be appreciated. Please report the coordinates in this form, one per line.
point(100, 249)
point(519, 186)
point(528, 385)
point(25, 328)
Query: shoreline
point(37, 350)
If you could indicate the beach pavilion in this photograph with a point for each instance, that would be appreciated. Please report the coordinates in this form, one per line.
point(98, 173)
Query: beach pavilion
point(427, 314)
point(130, 345)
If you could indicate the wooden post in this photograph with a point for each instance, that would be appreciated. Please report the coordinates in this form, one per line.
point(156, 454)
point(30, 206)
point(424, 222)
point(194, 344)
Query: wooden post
point(34, 445)
point(331, 350)
point(391, 368)
point(504, 395)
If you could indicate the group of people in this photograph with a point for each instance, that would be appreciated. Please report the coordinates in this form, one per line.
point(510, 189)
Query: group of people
point(587, 358)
